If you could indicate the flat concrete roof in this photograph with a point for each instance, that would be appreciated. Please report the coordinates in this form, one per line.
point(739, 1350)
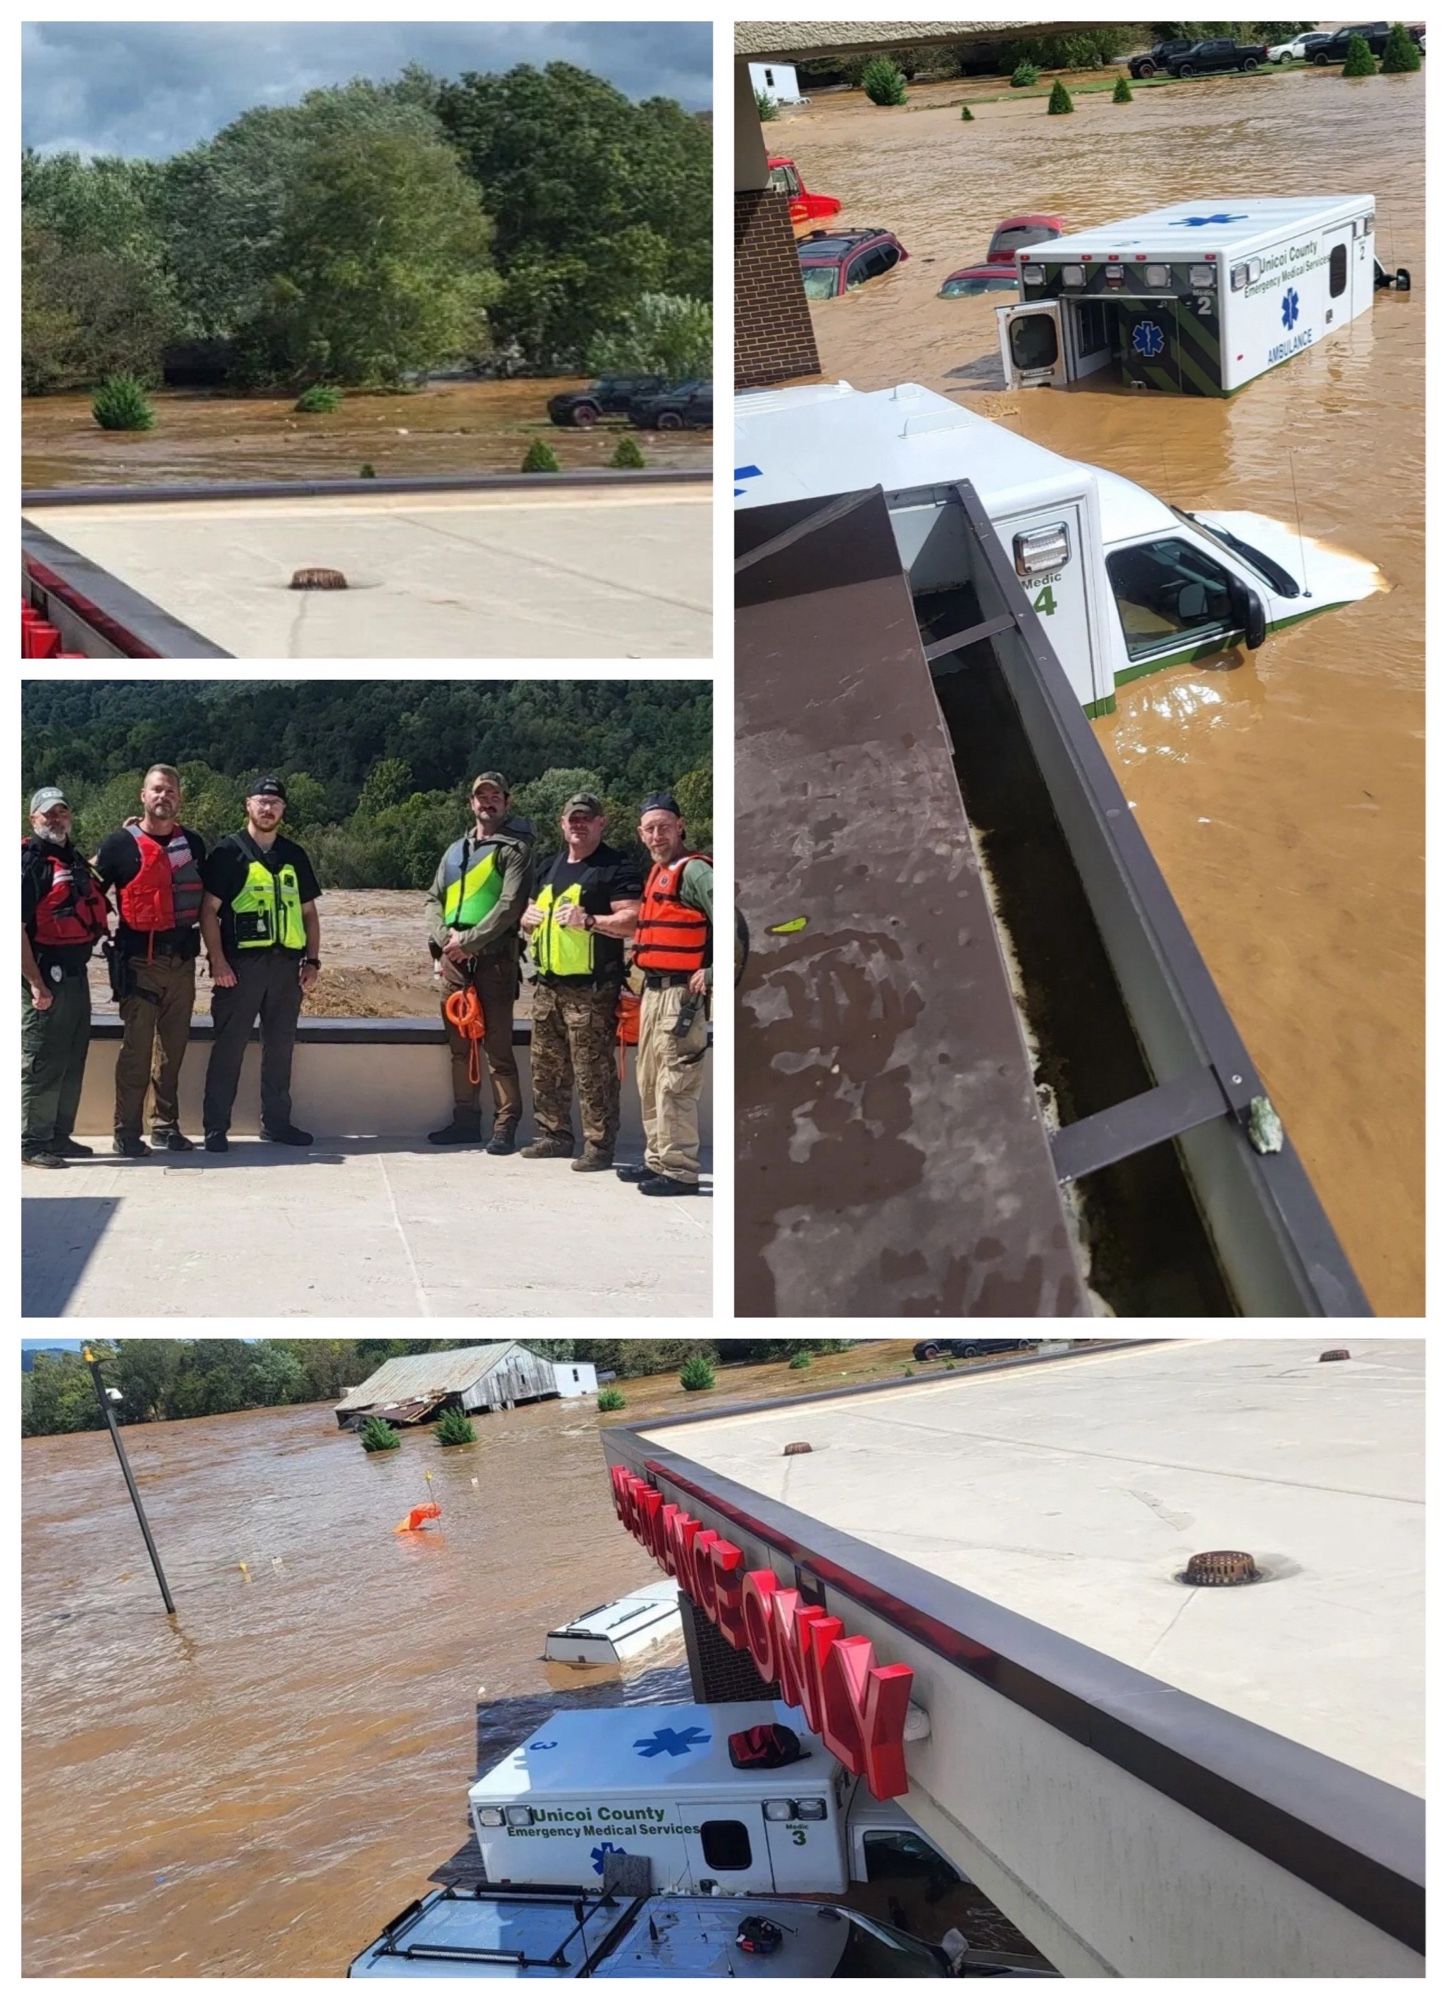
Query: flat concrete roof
point(361, 1228)
point(1073, 1491)
point(569, 575)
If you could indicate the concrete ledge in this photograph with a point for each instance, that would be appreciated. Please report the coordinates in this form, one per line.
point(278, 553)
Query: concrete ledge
point(385, 1079)
point(296, 489)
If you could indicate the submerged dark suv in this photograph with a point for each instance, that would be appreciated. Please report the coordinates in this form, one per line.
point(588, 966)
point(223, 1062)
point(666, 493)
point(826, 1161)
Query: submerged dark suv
point(609, 396)
point(687, 406)
point(1374, 33)
point(834, 261)
point(1221, 52)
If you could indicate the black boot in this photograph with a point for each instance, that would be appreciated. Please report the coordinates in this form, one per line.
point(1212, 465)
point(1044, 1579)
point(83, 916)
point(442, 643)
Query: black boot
point(504, 1139)
point(465, 1130)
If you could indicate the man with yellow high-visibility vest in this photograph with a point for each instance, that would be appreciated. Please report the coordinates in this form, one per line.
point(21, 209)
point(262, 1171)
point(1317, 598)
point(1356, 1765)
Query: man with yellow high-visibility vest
point(474, 906)
point(262, 935)
point(584, 907)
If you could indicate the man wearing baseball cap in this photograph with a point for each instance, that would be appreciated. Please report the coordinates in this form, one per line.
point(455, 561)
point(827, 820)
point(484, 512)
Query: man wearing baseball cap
point(584, 907)
point(477, 898)
point(62, 916)
point(259, 920)
point(673, 948)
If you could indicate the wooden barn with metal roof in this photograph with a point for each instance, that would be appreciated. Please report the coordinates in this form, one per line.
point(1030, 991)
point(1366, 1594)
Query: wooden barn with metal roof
point(412, 1388)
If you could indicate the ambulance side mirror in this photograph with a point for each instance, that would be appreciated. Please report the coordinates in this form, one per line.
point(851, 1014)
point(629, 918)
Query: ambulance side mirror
point(1405, 280)
point(1247, 611)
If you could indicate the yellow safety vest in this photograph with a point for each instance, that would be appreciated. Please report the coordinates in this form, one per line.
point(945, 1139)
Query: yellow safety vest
point(267, 909)
point(566, 954)
point(472, 882)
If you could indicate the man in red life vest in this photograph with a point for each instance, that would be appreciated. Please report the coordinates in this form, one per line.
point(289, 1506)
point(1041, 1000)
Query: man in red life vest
point(154, 866)
point(672, 948)
point(62, 916)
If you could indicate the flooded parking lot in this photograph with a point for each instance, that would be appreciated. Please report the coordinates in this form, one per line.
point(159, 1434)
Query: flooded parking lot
point(1282, 792)
point(445, 427)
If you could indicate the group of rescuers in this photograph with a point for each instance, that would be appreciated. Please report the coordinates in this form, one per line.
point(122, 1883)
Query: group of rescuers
point(251, 904)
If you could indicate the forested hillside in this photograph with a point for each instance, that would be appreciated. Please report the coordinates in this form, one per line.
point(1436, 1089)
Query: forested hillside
point(376, 771)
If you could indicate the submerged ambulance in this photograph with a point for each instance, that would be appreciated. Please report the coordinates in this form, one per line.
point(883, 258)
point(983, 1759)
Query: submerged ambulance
point(1198, 298)
point(1124, 583)
point(657, 1782)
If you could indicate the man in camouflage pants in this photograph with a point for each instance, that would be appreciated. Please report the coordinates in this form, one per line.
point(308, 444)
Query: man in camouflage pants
point(585, 905)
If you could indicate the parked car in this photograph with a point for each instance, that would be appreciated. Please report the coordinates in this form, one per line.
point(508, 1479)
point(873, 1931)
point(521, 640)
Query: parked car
point(1299, 50)
point(960, 1350)
point(1157, 57)
point(687, 406)
point(835, 261)
point(997, 273)
point(804, 206)
point(1375, 33)
point(1219, 53)
point(609, 396)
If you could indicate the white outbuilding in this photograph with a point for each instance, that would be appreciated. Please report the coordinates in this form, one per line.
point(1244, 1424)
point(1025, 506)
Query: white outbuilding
point(575, 1378)
point(776, 80)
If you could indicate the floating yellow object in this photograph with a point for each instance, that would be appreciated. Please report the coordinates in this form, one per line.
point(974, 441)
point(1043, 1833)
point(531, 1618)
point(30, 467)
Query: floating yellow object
point(786, 929)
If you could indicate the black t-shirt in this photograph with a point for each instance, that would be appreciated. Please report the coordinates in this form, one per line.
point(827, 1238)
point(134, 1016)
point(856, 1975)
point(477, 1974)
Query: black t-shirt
point(225, 875)
point(119, 862)
point(35, 856)
point(606, 877)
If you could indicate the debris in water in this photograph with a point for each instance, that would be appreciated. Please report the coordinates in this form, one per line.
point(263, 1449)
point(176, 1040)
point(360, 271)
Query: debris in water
point(787, 929)
point(413, 1524)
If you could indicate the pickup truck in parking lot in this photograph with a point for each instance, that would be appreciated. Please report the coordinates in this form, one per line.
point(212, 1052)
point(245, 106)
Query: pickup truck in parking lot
point(1374, 33)
point(1219, 53)
point(609, 396)
point(1157, 57)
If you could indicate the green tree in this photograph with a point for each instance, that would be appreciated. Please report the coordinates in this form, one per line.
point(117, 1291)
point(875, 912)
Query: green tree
point(1060, 100)
point(386, 784)
point(274, 1375)
point(663, 335)
point(62, 1397)
point(383, 268)
point(882, 81)
point(695, 794)
point(144, 1371)
point(1359, 58)
point(1024, 76)
point(51, 340)
point(596, 201)
point(1401, 54)
point(1122, 92)
point(766, 106)
point(542, 800)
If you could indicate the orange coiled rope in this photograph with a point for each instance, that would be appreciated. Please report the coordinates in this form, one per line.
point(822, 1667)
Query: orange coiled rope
point(629, 1005)
point(465, 1011)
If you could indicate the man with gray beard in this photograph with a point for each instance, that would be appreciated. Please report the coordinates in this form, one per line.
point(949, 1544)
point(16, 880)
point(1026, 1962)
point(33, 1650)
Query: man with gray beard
point(63, 915)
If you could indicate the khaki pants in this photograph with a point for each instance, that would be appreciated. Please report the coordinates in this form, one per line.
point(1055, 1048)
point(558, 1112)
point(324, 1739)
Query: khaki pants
point(496, 982)
point(156, 1023)
point(671, 1077)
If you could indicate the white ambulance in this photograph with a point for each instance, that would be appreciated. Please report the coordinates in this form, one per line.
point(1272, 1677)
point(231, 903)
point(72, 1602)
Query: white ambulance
point(1197, 298)
point(1124, 583)
point(658, 1782)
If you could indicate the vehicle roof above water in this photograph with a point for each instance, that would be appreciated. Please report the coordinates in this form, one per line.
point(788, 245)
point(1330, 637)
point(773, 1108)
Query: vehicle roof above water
point(1186, 229)
point(828, 438)
point(617, 1753)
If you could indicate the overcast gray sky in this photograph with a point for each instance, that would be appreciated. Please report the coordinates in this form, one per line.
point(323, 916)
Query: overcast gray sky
point(154, 88)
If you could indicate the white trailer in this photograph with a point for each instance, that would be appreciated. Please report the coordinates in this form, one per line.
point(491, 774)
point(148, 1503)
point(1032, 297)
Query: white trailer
point(657, 1782)
point(1124, 583)
point(1198, 298)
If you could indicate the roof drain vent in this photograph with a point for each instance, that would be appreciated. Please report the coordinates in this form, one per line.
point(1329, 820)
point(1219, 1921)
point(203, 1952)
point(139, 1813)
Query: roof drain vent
point(318, 579)
point(1219, 1567)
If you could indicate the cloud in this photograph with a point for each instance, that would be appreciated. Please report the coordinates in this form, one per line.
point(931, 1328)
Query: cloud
point(155, 88)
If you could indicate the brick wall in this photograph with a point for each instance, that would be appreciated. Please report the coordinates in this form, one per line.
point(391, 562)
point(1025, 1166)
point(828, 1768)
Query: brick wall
point(717, 1671)
point(773, 337)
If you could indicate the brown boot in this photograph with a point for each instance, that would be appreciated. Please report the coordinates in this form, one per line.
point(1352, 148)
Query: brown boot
point(594, 1160)
point(548, 1146)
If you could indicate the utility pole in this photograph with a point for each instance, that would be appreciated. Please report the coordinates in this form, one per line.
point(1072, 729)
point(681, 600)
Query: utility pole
point(104, 1397)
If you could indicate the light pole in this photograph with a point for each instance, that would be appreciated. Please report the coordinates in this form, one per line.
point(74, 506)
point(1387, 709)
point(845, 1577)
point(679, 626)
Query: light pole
point(106, 1397)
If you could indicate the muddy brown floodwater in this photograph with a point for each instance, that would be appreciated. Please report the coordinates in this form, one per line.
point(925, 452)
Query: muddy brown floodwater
point(1282, 792)
point(258, 1785)
point(445, 427)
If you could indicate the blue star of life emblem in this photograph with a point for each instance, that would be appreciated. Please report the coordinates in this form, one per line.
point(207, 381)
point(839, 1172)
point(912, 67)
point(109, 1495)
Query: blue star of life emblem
point(1290, 309)
point(671, 1742)
point(1201, 221)
point(1147, 338)
point(606, 1847)
point(745, 472)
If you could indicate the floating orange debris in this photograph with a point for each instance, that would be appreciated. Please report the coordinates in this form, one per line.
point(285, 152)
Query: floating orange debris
point(414, 1521)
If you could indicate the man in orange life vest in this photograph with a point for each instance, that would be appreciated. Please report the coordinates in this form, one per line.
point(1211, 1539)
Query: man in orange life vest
point(154, 866)
point(62, 914)
point(672, 948)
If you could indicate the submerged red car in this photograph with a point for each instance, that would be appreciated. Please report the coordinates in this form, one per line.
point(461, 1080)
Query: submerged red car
point(785, 176)
point(998, 272)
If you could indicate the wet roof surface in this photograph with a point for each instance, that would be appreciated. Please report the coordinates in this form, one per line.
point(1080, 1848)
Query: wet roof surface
point(891, 1157)
point(1074, 1490)
point(571, 575)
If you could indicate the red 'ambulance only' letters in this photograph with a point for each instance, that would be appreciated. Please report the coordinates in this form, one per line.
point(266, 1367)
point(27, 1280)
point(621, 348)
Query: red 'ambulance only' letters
point(858, 1708)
